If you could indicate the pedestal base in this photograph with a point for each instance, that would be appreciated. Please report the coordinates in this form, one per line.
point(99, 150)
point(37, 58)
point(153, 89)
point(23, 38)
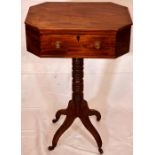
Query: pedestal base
point(77, 107)
point(83, 112)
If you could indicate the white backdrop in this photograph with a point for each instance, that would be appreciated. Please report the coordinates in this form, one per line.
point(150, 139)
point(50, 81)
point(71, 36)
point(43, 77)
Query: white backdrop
point(46, 88)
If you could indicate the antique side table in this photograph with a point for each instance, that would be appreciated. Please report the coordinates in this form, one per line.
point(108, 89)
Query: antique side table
point(77, 31)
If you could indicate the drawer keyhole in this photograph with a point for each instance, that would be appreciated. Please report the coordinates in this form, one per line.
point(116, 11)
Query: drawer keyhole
point(78, 38)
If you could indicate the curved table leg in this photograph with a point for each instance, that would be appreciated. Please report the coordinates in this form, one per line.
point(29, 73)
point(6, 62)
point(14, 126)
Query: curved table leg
point(92, 112)
point(86, 122)
point(58, 114)
point(68, 121)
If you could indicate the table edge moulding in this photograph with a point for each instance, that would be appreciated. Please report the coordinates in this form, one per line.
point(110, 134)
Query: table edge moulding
point(78, 30)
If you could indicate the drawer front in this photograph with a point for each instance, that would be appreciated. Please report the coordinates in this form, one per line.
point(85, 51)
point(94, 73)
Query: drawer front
point(98, 45)
point(77, 45)
point(58, 45)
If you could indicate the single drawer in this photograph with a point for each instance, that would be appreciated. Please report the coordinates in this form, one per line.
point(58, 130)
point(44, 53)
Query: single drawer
point(77, 45)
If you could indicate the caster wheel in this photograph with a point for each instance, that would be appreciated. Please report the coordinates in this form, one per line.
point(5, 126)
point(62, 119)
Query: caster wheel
point(54, 120)
point(100, 150)
point(50, 148)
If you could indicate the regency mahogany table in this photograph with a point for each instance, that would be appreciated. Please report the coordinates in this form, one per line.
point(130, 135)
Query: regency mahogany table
point(77, 31)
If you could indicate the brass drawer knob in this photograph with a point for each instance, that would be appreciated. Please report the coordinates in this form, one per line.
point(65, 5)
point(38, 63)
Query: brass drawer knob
point(97, 45)
point(58, 44)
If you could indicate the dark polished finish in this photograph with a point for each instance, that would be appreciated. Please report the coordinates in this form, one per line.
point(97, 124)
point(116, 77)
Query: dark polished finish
point(78, 30)
point(77, 107)
point(81, 30)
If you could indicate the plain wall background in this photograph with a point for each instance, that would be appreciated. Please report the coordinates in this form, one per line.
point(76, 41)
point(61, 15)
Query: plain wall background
point(46, 87)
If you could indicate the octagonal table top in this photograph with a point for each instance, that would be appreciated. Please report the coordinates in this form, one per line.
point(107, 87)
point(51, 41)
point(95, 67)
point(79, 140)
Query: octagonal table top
point(79, 16)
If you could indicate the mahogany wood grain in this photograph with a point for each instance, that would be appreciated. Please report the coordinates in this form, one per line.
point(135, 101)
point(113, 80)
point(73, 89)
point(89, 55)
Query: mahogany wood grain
point(103, 22)
point(84, 16)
